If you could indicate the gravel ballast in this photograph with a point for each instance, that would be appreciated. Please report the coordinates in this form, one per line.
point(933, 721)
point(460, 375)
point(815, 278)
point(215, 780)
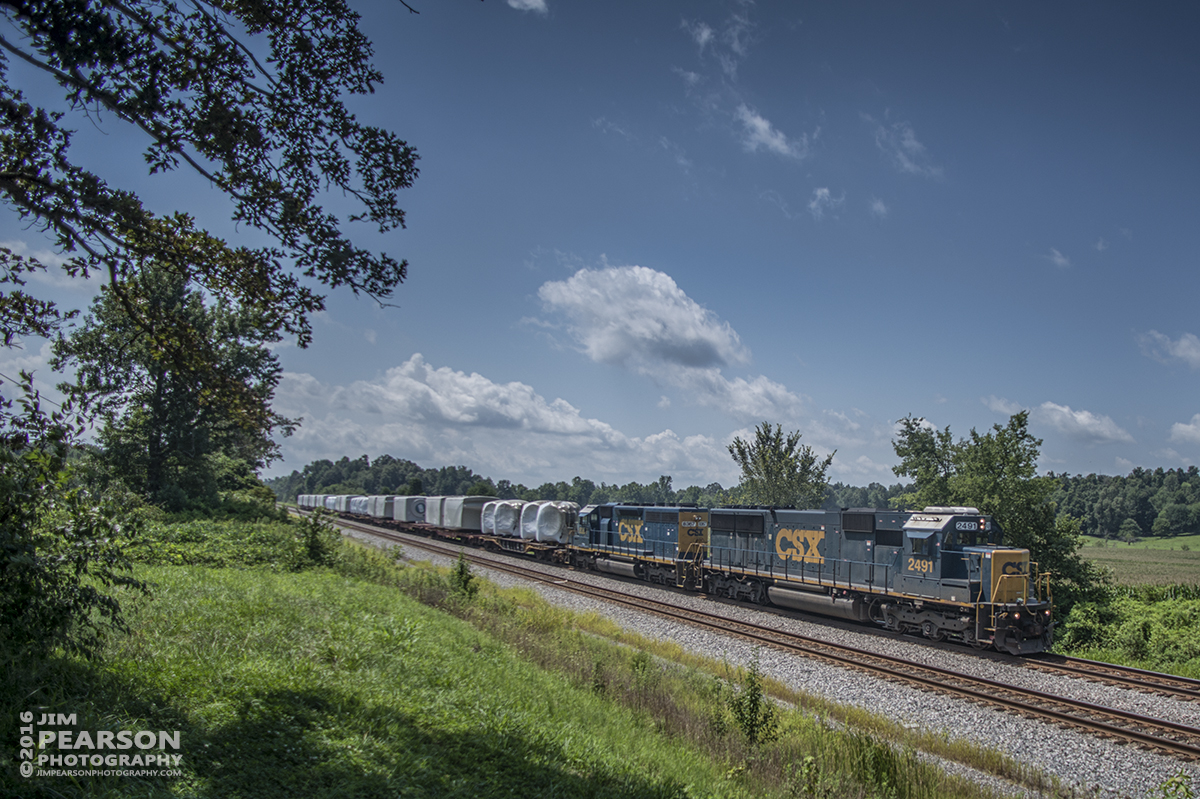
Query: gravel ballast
point(1090, 765)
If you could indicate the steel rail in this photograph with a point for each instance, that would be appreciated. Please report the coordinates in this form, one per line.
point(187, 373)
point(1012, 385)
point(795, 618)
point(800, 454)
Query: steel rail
point(1112, 674)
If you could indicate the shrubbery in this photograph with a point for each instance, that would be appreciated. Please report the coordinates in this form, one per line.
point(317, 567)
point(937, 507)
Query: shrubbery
point(62, 546)
point(1158, 633)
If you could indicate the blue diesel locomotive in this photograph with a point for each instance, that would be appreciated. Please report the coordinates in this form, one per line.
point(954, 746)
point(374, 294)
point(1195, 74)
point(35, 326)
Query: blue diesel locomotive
point(942, 572)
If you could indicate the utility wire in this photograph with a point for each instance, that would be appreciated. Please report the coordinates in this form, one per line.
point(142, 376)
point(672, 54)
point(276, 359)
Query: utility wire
point(47, 399)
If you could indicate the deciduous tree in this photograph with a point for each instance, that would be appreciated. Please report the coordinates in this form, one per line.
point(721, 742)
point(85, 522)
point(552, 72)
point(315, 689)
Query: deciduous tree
point(778, 470)
point(164, 424)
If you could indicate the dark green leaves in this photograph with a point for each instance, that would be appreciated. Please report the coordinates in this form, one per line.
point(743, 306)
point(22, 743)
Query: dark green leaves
point(779, 471)
point(249, 96)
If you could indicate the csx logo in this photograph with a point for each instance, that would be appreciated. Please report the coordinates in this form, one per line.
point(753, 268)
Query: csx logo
point(631, 532)
point(1013, 567)
point(799, 544)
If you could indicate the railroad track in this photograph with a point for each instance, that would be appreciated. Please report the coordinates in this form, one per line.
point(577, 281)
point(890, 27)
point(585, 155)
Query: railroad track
point(1177, 740)
point(1123, 676)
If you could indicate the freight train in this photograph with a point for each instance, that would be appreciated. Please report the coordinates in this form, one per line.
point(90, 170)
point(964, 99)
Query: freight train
point(942, 572)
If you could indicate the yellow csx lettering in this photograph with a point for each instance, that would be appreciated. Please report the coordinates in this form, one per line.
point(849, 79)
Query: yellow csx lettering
point(799, 544)
point(1014, 567)
point(631, 532)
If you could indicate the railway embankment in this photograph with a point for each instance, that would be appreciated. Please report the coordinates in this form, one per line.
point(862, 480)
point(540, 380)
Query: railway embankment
point(292, 664)
point(1083, 763)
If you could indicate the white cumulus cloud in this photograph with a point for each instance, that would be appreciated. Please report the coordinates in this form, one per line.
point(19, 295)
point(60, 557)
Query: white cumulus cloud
point(639, 318)
point(438, 415)
point(1162, 349)
point(1081, 425)
point(1187, 433)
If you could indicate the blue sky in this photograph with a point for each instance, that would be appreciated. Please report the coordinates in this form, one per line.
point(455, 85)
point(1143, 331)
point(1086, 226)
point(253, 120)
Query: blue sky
point(642, 228)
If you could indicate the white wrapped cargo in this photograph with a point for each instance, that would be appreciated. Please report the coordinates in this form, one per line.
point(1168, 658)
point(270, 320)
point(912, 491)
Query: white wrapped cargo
point(488, 524)
point(464, 513)
point(381, 507)
point(408, 509)
point(555, 520)
point(358, 505)
point(331, 502)
point(529, 519)
point(434, 507)
point(508, 517)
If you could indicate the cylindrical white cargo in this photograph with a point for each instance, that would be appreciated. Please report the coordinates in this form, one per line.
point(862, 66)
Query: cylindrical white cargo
point(508, 517)
point(554, 521)
point(488, 520)
point(529, 519)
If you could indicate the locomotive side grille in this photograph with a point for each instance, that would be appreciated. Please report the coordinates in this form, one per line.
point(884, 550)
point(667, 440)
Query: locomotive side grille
point(858, 522)
point(749, 523)
point(889, 538)
point(725, 522)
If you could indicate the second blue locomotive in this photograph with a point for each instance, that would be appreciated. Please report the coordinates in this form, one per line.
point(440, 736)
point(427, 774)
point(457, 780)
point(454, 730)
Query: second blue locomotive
point(942, 572)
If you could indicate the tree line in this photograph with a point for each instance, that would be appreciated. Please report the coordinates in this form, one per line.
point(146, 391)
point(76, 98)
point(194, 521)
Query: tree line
point(387, 475)
point(1160, 502)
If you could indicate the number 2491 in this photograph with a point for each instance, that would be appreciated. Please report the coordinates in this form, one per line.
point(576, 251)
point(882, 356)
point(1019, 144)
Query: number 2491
point(920, 565)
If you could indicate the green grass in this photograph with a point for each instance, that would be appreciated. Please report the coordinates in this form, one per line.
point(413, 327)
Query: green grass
point(318, 685)
point(1148, 561)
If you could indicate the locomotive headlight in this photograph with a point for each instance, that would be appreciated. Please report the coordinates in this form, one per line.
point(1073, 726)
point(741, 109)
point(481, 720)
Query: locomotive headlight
point(1017, 616)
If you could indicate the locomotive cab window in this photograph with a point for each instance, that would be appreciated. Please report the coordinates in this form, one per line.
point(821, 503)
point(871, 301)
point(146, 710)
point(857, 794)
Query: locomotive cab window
point(923, 544)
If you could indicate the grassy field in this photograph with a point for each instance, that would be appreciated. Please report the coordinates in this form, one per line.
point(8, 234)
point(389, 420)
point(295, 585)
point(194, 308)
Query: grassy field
point(314, 685)
point(1149, 561)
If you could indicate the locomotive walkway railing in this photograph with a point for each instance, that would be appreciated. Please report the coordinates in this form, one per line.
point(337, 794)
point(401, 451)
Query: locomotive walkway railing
point(827, 573)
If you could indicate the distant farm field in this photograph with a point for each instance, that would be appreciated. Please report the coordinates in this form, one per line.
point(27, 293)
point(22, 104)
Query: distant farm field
point(1152, 561)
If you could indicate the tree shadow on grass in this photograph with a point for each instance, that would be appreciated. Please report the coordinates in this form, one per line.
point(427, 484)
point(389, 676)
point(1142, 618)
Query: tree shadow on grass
point(288, 744)
point(298, 742)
